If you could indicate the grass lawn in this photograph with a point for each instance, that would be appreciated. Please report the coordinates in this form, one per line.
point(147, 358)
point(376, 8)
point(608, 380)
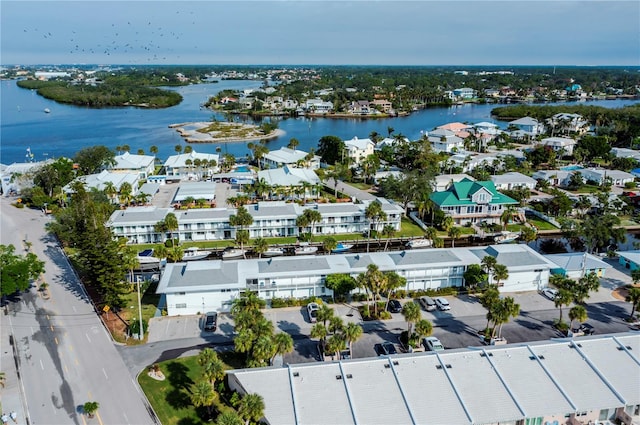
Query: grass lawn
point(170, 398)
point(360, 185)
point(541, 224)
point(409, 229)
point(589, 189)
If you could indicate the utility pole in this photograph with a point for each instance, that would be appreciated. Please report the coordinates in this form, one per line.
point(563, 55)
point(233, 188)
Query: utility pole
point(141, 329)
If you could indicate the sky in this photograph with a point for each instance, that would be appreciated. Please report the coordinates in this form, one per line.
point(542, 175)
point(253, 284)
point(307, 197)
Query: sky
point(326, 32)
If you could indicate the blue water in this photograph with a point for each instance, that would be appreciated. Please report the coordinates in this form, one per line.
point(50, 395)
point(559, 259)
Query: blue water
point(571, 168)
point(68, 129)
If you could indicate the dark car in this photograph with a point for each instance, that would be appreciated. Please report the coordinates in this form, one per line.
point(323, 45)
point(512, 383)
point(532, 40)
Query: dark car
point(586, 329)
point(210, 321)
point(385, 349)
point(394, 306)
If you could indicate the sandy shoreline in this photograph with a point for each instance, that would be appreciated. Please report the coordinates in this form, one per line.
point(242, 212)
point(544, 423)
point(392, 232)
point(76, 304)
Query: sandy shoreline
point(190, 134)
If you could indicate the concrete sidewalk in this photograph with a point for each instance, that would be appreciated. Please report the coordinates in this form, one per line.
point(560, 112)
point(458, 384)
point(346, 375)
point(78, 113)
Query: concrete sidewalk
point(12, 397)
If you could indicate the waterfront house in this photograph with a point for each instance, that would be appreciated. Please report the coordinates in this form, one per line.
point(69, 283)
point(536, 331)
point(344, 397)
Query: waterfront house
point(142, 164)
point(359, 149)
point(472, 202)
point(574, 265)
point(216, 283)
point(382, 104)
point(183, 166)
point(528, 126)
point(513, 180)
point(626, 153)
point(292, 178)
point(464, 93)
point(101, 180)
point(588, 380)
point(361, 107)
point(289, 157)
point(562, 145)
point(271, 219)
point(391, 142)
point(470, 161)
point(568, 123)
point(318, 106)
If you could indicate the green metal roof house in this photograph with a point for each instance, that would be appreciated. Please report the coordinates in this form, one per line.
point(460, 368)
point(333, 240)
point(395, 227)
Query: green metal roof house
point(472, 202)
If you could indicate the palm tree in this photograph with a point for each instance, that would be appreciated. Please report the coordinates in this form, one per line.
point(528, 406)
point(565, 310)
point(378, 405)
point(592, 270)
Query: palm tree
point(3, 378)
point(202, 394)
point(335, 344)
point(633, 296)
point(374, 214)
point(309, 218)
point(241, 219)
point(324, 314)
point(212, 367)
point(178, 149)
point(423, 328)
point(500, 273)
point(283, 344)
point(126, 192)
point(388, 231)
point(110, 190)
point(447, 223)
point(319, 331)
point(411, 313)
point(229, 417)
point(260, 246)
point(293, 143)
point(352, 332)
point(488, 263)
point(90, 408)
point(171, 222)
point(578, 313)
point(563, 297)
point(329, 243)
point(507, 216)
point(251, 408)
point(506, 309)
point(454, 233)
point(374, 281)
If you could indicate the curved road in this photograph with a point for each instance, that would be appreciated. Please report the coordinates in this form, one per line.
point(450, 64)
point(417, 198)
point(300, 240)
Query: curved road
point(65, 356)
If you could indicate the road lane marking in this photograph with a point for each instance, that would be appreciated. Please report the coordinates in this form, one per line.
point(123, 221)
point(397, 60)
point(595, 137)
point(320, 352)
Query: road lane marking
point(105, 373)
point(125, 417)
point(56, 340)
point(51, 327)
point(83, 421)
point(99, 418)
point(41, 365)
point(87, 335)
point(74, 309)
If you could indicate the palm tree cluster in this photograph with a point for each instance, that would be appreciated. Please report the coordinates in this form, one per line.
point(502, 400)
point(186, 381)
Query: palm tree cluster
point(499, 310)
point(255, 334)
point(571, 290)
point(339, 335)
point(374, 282)
point(417, 327)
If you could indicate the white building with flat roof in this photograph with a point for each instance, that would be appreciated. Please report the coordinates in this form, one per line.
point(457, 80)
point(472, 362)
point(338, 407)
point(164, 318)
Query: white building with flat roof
point(189, 166)
point(512, 180)
point(218, 282)
point(289, 157)
point(130, 163)
point(561, 381)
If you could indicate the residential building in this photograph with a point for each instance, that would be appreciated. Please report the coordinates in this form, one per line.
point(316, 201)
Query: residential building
point(528, 125)
point(464, 93)
point(101, 180)
point(183, 166)
point(444, 181)
point(271, 219)
point(562, 145)
point(382, 104)
point(574, 265)
point(590, 380)
point(289, 157)
point(487, 127)
point(196, 191)
point(568, 123)
point(629, 259)
point(290, 177)
point(142, 164)
point(216, 283)
point(361, 107)
point(18, 176)
point(359, 149)
point(445, 141)
point(470, 161)
point(318, 106)
point(391, 142)
point(602, 175)
point(472, 202)
point(559, 178)
point(626, 153)
point(512, 180)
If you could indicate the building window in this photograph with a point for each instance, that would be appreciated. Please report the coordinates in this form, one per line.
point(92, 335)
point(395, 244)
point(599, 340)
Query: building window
point(182, 305)
point(181, 293)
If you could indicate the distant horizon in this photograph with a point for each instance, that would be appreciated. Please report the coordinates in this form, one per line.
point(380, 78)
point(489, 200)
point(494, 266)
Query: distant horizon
point(314, 65)
point(333, 33)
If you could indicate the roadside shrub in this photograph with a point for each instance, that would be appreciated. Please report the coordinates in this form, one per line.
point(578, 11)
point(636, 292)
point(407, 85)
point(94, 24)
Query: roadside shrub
point(400, 293)
point(384, 315)
point(278, 302)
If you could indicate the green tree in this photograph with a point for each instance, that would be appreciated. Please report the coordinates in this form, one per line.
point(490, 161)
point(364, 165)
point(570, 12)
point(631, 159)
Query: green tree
point(474, 275)
point(564, 297)
point(90, 408)
point(329, 243)
point(340, 283)
point(633, 296)
point(330, 149)
point(488, 263)
point(202, 395)
point(423, 328)
point(373, 281)
point(500, 273)
point(293, 143)
point(171, 222)
point(577, 313)
point(454, 233)
point(388, 231)
point(17, 271)
point(283, 344)
point(352, 332)
point(308, 219)
point(260, 246)
point(212, 367)
point(93, 159)
point(240, 220)
point(502, 312)
point(251, 408)
point(411, 313)
point(374, 214)
point(229, 417)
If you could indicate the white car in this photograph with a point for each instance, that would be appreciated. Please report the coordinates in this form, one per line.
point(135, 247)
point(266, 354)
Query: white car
point(312, 309)
point(442, 304)
point(431, 343)
point(550, 293)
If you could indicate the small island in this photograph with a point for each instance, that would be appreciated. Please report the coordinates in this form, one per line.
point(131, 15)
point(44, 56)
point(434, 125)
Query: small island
point(223, 132)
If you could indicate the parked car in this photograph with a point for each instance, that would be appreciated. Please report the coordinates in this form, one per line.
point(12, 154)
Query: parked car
point(394, 306)
point(427, 303)
point(210, 321)
point(385, 349)
point(312, 309)
point(550, 293)
point(431, 343)
point(442, 304)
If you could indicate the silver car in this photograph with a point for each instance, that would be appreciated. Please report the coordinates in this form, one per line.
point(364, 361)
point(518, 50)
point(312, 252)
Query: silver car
point(427, 303)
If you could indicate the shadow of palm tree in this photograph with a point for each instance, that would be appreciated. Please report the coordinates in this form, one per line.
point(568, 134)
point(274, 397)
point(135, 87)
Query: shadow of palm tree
point(178, 396)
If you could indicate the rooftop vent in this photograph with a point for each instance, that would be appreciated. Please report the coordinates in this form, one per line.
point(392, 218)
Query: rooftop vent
point(296, 374)
point(387, 365)
point(448, 366)
point(395, 363)
point(349, 376)
point(438, 366)
point(338, 377)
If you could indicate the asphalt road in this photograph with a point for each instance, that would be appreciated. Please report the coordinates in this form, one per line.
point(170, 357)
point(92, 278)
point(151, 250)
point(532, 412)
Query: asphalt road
point(65, 355)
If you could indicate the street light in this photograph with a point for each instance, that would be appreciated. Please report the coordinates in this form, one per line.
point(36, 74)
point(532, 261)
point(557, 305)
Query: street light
point(141, 329)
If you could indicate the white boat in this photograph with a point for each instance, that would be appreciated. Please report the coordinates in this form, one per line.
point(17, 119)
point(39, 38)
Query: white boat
point(146, 262)
point(506, 237)
point(419, 243)
point(273, 252)
point(231, 253)
point(47, 110)
point(306, 249)
point(194, 253)
point(341, 248)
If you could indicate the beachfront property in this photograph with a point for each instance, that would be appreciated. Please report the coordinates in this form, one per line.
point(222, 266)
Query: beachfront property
point(513, 180)
point(575, 265)
point(318, 106)
point(472, 202)
point(445, 141)
point(358, 149)
point(191, 166)
point(289, 157)
point(464, 93)
point(186, 286)
point(270, 219)
point(129, 163)
point(590, 380)
point(304, 183)
point(562, 145)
